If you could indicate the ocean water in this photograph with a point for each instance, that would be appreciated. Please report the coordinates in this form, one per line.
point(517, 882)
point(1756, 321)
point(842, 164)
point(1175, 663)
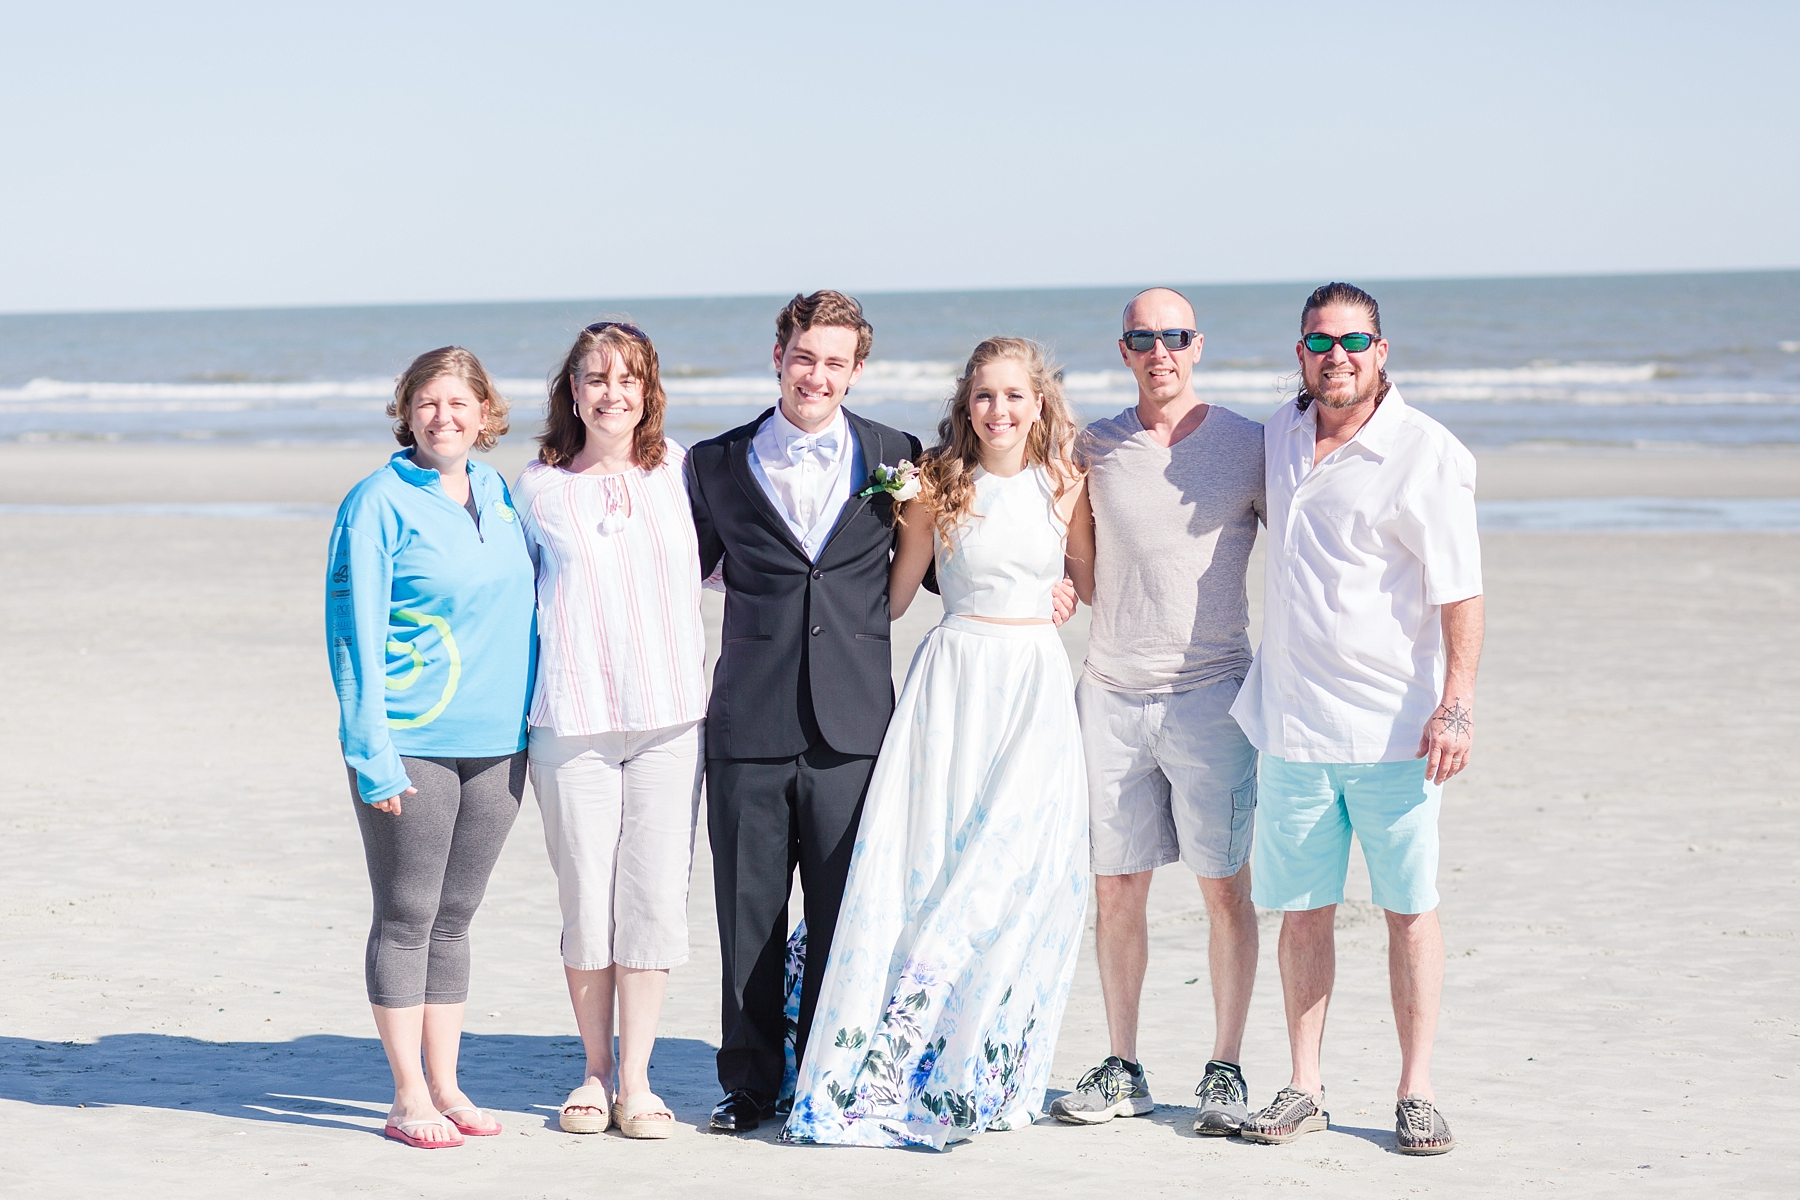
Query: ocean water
point(1624, 362)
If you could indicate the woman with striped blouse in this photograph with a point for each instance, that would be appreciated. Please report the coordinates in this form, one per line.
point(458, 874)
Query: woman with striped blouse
point(615, 740)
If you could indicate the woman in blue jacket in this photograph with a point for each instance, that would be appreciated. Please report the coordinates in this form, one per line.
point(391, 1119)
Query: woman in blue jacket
point(430, 619)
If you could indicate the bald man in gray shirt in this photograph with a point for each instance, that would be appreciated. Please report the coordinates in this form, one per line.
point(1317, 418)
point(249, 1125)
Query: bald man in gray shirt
point(1175, 489)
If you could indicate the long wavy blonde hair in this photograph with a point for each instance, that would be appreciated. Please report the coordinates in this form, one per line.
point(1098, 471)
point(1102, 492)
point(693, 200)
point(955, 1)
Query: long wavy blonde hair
point(947, 470)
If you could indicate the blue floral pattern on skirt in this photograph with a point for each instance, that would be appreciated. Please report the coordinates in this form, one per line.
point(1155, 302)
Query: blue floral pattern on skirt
point(964, 910)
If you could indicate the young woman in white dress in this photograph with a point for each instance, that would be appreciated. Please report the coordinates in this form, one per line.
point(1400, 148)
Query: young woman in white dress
point(963, 913)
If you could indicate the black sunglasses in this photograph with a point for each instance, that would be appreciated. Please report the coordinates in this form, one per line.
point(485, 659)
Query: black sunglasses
point(1321, 343)
point(627, 326)
point(1141, 340)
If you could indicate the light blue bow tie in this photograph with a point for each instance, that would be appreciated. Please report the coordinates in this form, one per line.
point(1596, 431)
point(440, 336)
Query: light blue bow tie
point(821, 447)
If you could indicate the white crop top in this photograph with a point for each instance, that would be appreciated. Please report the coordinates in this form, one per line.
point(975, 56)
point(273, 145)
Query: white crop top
point(1006, 557)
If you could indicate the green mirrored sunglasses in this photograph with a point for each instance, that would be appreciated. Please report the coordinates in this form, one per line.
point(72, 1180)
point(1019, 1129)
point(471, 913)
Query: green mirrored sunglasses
point(1321, 343)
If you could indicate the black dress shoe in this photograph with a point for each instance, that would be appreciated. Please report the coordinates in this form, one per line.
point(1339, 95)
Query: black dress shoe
point(740, 1112)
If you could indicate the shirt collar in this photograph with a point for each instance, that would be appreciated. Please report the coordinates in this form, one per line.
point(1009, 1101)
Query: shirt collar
point(774, 438)
point(787, 431)
point(1378, 432)
point(413, 473)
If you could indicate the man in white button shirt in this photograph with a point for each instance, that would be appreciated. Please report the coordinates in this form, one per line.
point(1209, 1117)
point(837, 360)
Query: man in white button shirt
point(1362, 695)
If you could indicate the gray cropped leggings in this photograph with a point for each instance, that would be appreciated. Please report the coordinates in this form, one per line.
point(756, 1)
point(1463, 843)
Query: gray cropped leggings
point(428, 868)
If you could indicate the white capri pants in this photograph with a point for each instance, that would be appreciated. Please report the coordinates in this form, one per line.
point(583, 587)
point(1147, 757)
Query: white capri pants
point(619, 812)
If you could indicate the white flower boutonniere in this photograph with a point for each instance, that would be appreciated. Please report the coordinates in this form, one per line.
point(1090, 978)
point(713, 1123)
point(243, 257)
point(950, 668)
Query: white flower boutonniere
point(900, 481)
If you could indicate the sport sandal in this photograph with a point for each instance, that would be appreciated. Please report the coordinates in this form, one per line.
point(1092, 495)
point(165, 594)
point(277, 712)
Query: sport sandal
point(1291, 1115)
point(1419, 1128)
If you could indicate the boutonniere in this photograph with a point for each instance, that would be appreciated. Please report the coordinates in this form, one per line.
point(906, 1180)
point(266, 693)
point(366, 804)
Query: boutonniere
point(900, 481)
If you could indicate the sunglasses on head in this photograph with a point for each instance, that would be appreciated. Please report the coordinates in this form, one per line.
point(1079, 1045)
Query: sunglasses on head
point(1321, 343)
point(1141, 340)
point(627, 326)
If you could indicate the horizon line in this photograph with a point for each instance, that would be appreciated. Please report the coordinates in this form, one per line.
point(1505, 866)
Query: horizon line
point(779, 295)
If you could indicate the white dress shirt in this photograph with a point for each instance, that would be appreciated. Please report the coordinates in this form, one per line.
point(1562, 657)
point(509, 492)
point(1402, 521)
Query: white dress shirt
point(1364, 547)
point(808, 476)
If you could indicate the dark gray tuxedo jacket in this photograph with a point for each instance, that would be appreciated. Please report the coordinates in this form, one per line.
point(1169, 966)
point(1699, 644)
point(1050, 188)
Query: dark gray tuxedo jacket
point(802, 637)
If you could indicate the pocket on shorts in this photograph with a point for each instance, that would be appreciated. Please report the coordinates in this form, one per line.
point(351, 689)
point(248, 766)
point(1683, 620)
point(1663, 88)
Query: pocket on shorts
point(1243, 819)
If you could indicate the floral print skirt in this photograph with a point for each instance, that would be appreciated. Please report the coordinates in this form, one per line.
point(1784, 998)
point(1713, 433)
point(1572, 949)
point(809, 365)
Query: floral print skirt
point(963, 914)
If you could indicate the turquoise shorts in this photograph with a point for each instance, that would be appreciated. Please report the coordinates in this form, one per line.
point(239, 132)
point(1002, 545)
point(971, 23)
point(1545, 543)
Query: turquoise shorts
point(1306, 813)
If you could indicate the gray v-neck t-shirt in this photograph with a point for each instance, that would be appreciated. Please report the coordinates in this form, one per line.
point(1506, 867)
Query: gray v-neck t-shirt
point(1173, 530)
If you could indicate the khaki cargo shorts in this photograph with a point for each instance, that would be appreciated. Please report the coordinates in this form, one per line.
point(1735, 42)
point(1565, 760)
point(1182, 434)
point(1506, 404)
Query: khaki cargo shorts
point(1171, 777)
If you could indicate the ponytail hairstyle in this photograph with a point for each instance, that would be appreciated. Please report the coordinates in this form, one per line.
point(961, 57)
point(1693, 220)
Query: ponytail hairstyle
point(1351, 296)
point(947, 470)
point(564, 433)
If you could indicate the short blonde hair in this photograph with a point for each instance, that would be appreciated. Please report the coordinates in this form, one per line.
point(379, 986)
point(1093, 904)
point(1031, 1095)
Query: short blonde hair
point(459, 363)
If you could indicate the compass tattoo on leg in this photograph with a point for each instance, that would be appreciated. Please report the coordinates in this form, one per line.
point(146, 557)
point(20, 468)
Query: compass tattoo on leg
point(1455, 719)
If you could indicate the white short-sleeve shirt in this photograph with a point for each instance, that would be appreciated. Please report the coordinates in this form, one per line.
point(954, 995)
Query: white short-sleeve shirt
point(1363, 548)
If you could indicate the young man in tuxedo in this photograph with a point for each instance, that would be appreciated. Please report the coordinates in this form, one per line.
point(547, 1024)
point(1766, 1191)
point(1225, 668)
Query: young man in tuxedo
point(803, 689)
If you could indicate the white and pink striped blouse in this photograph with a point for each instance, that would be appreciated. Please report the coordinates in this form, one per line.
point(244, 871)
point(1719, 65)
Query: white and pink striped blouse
point(620, 644)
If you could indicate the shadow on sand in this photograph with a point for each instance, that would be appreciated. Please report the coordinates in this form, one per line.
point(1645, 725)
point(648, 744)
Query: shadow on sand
point(343, 1082)
point(1178, 1119)
point(321, 1079)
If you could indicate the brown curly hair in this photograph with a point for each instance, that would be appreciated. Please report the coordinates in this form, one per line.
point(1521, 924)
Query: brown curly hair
point(947, 470)
point(827, 308)
point(564, 434)
point(459, 363)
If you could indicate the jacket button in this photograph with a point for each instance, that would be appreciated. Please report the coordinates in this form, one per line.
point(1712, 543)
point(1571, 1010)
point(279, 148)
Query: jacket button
point(818, 574)
point(817, 630)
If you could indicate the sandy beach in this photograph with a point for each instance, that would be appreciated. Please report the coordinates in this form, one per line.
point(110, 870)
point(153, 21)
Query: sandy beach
point(185, 899)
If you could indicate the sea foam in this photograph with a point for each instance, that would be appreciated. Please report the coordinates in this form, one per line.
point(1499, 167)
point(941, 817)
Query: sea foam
point(1567, 383)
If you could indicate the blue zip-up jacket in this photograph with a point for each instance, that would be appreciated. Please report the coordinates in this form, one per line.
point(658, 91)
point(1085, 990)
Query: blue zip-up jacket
point(431, 622)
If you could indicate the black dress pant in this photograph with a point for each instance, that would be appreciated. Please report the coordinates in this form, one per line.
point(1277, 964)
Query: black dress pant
point(764, 817)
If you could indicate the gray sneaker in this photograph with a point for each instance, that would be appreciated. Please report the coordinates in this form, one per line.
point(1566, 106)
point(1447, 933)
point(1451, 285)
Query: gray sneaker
point(1419, 1128)
point(1292, 1114)
point(1115, 1088)
point(1224, 1100)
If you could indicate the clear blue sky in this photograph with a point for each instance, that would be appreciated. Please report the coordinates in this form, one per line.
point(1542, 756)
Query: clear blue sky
point(195, 155)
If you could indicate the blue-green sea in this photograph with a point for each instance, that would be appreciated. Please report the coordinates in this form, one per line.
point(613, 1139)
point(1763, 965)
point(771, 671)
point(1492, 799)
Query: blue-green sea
point(1629, 361)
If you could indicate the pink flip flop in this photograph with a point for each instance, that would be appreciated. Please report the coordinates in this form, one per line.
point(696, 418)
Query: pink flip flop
point(472, 1130)
point(399, 1133)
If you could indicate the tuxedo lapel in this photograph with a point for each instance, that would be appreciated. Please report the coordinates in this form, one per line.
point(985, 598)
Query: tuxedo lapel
point(738, 455)
point(868, 438)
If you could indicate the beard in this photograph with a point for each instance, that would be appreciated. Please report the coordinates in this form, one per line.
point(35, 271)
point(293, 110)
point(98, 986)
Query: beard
point(1376, 389)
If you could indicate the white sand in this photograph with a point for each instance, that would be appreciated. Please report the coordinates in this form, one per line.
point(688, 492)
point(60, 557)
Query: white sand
point(185, 903)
